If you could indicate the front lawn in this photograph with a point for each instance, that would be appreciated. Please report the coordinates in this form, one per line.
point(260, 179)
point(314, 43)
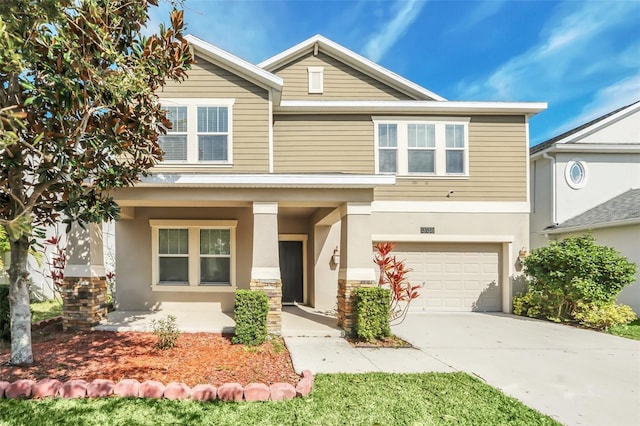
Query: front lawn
point(45, 310)
point(630, 331)
point(338, 399)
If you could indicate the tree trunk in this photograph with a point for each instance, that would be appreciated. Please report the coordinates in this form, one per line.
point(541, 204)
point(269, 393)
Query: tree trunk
point(21, 352)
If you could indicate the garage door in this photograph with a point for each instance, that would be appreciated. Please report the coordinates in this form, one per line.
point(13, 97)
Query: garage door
point(456, 277)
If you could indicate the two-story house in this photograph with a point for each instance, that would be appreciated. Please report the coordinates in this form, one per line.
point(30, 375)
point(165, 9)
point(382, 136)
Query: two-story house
point(280, 176)
point(587, 180)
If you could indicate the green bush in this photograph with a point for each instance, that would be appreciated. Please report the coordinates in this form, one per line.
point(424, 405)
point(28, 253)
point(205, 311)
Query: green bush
point(371, 310)
point(167, 332)
point(5, 314)
point(250, 315)
point(573, 270)
point(602, 316)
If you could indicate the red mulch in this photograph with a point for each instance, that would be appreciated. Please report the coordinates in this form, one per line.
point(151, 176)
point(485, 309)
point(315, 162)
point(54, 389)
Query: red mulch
point(197, 358)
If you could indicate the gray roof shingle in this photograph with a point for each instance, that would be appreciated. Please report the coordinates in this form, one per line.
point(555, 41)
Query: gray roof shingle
point(546, 144)
point(625, 206)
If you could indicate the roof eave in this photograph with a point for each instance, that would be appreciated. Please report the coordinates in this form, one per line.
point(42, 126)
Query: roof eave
point(357, 61)
point(579, 228)
point(253, 73)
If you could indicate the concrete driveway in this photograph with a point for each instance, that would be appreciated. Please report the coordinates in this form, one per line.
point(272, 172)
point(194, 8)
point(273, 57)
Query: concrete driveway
point(578, 377)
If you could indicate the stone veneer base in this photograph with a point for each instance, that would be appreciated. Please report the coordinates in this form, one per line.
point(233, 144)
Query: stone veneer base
point(345, 302)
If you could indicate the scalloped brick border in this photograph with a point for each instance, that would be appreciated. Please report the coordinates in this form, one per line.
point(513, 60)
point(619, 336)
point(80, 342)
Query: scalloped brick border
point(100, 388)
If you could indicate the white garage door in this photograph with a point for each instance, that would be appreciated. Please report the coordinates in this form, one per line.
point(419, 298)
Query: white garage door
point(456, 277)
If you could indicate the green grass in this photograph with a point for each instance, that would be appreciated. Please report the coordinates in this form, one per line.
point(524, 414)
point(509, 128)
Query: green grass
point(338, 399)
point(630, 331)
point(45, 310)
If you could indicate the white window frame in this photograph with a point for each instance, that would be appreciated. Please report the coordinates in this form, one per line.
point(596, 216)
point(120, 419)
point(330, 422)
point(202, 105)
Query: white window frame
point(440, 148)
point(567, 173)
point(192, 105)
point(319, 71)
point(193, 227)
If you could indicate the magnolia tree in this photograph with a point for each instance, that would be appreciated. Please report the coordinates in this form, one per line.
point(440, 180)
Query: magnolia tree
point(79, 117)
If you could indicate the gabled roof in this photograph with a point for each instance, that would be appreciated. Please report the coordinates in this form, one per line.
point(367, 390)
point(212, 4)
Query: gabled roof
point(235, 64)
point(623, 209)
point(572, 135)
point(351, 58)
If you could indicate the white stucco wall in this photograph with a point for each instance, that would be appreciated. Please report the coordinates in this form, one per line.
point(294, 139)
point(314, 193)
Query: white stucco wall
point(626, 130)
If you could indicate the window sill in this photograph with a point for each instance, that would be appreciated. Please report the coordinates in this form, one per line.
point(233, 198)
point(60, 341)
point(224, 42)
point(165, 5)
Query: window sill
point(436, 177)
point(194, 288)
point(175, 164)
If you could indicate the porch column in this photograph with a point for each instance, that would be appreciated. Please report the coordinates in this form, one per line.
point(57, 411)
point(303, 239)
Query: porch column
point(265, 267)
point(356, 258)
point(84, 292)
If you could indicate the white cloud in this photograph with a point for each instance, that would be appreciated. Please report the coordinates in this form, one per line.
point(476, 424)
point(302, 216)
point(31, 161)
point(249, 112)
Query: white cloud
point(392, 29)
point(480, 11)
point(561, 64)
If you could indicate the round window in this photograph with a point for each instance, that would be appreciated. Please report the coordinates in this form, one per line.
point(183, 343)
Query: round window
point(576, 174)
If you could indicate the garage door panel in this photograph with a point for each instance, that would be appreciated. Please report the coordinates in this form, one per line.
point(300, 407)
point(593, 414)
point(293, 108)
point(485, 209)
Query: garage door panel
point(456, 277)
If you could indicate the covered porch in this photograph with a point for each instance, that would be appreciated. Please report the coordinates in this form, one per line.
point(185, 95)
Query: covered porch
point(297, 321)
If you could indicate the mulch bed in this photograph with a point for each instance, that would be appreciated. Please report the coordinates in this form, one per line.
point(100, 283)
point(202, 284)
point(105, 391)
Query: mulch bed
point(197, 358)
point(388, 342)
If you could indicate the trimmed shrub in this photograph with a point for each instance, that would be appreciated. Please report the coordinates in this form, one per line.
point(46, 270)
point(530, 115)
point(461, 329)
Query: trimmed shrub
point(5, 314)
point(250, 315)
point(167, 332)
point(602, 316)
point(371, 310)
point(573, 270)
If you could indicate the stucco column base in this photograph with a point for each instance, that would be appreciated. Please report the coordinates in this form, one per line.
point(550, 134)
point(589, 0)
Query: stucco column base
point(273, 290)
point(84, 302)
point(345, 302)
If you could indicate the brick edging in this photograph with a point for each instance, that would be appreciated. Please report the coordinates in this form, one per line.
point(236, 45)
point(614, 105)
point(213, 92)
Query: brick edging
point(101, 388)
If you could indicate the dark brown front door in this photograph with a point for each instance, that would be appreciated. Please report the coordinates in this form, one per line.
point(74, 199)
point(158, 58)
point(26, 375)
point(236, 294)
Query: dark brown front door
point(291, 271)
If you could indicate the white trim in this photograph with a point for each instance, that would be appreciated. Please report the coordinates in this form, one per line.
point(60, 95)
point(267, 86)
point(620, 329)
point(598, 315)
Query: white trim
point(179, 223)
point(506, 277)
point(464, 107)
point(591, 148)
point(359, 62)
point(194, 289)
point(355, 208)
point(265, 180)
point(302, 238)
point(84, 271)
point(450, 206)
point(270, 132)
point(597, 126)
point(257, 74)
point(435, 238)
point(567, 173)
point(528, 168)
point(315, 70)
point(420, 119)
point(569, 229)
point(357, 274)
point(265, 207)
point(265, 273)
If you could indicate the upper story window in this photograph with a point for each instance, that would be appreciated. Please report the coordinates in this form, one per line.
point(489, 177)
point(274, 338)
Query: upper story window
point(201, 131)
point(424, 146)
point(316, 79)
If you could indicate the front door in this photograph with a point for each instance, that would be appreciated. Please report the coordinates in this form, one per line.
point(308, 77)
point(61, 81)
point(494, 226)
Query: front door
point(291, 271)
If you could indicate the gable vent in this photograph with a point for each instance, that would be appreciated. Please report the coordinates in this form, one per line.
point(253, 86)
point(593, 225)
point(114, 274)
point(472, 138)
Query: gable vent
point(316, 79)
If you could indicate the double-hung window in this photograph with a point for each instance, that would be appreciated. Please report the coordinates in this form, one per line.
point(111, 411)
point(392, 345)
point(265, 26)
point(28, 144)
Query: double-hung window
point(201, 131)
point(193, 254)
point(422, 146)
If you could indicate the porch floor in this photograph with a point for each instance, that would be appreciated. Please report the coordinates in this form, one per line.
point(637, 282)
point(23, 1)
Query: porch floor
point(297, 321)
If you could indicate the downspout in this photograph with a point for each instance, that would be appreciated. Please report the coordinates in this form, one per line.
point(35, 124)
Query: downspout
point(554, 218)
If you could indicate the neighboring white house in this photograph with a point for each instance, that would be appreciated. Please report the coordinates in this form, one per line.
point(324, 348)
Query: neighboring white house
point(587, 180)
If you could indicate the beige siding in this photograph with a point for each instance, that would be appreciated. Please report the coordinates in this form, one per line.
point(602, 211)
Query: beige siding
point(497, 167)
point(308, 144)
point(340, 81)
point(250, 112)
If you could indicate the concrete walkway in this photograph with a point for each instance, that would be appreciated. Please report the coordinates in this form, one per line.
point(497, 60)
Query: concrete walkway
point(578, 377)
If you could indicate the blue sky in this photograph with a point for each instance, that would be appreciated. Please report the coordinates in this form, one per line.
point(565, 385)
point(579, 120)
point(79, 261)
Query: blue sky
point(582, 57)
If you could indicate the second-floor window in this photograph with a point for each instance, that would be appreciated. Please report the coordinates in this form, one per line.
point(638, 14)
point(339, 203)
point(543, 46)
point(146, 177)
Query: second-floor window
point(429, 146)
point(201, 131)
